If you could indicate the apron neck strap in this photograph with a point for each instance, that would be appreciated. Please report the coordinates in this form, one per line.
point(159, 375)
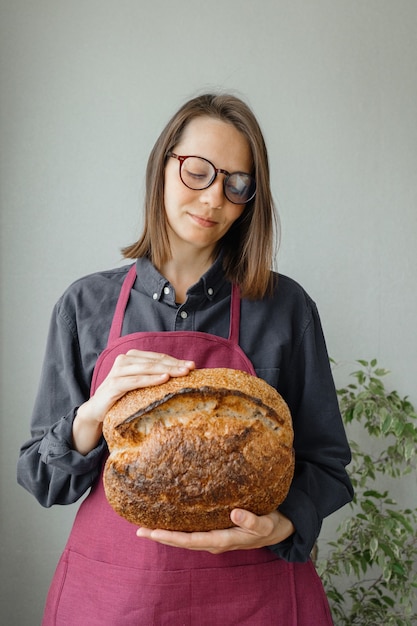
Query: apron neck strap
point(117, 323)
point(129, 281)
point(234, 315)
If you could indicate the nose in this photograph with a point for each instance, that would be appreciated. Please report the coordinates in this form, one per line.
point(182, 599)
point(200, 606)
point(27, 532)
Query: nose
point(214, 195)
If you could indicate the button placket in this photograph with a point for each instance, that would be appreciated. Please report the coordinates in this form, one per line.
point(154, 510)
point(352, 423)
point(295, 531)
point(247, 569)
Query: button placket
point(184, 319)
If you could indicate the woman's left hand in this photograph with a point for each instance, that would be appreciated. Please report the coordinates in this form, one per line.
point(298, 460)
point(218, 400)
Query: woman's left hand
point(251, 531)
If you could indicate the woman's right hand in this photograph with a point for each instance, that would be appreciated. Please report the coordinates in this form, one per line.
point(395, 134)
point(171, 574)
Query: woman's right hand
point(133, 370)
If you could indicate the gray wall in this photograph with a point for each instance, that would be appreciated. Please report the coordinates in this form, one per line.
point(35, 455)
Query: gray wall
point(86, 86)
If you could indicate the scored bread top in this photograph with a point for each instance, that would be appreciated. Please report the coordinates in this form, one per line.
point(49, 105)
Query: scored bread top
point(207, 380)
point(185, 453)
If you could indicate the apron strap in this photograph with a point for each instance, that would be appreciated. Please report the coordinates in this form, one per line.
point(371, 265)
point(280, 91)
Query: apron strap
point(129, 281)
point(234, 315)
point(117, 323)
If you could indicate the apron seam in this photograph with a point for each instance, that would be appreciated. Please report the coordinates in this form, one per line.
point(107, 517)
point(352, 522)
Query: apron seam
point(294, 617)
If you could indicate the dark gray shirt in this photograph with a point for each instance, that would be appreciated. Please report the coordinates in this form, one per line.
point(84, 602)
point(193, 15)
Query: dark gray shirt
point(281, 335)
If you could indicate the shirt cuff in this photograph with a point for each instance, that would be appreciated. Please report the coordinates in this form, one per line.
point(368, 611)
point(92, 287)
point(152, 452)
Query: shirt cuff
point(301, 511)
point(56, 449)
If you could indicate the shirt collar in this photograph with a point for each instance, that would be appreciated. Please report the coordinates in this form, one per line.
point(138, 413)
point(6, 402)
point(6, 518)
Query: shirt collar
point(157, 286)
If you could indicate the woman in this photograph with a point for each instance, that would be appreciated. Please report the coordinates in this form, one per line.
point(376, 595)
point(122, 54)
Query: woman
point(208, 227)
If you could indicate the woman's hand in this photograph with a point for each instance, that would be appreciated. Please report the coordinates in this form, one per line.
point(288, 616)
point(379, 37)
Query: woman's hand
point(133, 370)
point(251, 531)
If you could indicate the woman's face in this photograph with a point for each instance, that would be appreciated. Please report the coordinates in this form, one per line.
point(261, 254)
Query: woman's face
point(199, 219)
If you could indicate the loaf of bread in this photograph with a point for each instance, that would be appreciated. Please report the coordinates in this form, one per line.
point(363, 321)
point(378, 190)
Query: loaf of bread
point(185, 453)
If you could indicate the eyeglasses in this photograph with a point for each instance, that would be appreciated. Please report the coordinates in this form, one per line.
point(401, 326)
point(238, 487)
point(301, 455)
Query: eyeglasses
point(198, 173)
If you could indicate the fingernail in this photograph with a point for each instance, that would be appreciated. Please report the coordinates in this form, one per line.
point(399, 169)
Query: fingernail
point(239, 516)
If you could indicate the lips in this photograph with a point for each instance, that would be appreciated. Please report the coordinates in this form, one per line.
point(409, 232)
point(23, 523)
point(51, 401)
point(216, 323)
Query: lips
point(202, 220)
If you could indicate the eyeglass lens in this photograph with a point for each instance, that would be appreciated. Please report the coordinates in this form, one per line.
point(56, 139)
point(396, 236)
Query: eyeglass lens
point(198, 173)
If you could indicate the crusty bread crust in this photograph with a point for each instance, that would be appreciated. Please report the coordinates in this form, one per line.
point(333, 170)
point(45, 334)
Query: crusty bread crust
point(185, 453)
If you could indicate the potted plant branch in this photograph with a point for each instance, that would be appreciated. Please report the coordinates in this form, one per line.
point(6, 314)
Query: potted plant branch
point(370, 569)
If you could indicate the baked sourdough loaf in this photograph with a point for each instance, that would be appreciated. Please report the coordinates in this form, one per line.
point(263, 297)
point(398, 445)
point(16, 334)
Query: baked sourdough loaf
point(185, 453)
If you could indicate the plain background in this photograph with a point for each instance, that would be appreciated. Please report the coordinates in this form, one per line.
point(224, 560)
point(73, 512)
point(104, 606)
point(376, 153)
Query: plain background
point(86, 87)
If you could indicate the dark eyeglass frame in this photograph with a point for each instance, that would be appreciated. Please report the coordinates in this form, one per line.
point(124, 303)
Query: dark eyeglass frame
point(217, 170)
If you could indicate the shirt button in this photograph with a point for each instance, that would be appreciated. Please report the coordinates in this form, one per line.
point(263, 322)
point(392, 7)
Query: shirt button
point(155, 296)
point(210, 291)
point(184, 315)
point(166, 290)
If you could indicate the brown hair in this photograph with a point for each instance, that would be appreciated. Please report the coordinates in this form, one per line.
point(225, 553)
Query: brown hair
point(248, 247)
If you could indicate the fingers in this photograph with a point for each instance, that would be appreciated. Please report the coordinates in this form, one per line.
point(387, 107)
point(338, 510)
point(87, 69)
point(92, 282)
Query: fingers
point(258, 525)
point(142, 369)
point(134, 370)
point(138, 369)
point(151, 364)
point(251, 531)
point(214, 541)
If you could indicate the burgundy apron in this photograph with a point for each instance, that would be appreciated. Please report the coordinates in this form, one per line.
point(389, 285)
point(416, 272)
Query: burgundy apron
point(107, 576)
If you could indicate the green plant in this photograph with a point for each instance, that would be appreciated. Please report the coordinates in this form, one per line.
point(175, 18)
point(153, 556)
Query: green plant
point(370, 571)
